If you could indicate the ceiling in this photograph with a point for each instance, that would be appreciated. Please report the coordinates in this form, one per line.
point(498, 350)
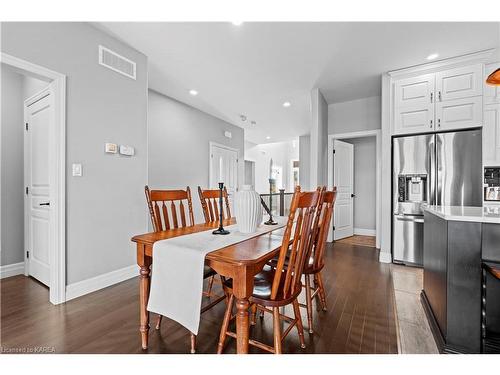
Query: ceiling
point(252, 69)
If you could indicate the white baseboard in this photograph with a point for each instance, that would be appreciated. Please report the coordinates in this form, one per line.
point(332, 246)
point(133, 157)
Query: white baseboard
point(365, 232)
point(384, 257)
point(93, 284)
point(11, 270)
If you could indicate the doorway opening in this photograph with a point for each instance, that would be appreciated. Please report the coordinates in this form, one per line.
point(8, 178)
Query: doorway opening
point(32, 225)
point(354, 168)
point(223, 167)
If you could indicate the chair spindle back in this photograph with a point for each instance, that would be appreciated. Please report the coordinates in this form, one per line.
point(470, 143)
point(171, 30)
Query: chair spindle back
point(300, 221)
point(324, 217)
point(210, 203)
point(163, 209)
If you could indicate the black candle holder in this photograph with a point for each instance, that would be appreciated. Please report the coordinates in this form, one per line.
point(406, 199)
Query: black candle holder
point(221, 229)
point(271, 220)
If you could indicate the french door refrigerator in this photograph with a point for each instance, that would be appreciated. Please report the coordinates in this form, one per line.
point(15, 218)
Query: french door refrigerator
point(435, 169)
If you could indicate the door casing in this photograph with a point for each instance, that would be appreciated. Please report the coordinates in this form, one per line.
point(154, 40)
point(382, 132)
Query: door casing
point(57, 172)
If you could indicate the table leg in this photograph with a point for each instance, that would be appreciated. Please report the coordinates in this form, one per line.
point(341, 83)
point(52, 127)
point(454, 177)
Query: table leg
point(242, 325)
point(242, 289)
point(144, 296)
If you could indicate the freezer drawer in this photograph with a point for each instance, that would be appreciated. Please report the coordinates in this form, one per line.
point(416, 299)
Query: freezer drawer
point(408, 239)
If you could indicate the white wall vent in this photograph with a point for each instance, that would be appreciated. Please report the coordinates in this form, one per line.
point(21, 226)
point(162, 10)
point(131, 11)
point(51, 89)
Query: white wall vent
point(116, 62)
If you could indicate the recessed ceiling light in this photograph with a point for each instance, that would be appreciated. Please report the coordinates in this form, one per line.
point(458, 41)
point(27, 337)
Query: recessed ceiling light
point(193, 92)
point(287, 104)
point(268, 137)
point(432, 56)
point(237, 23)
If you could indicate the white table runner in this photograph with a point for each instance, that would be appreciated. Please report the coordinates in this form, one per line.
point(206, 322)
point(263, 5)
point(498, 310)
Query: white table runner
point(177, 272)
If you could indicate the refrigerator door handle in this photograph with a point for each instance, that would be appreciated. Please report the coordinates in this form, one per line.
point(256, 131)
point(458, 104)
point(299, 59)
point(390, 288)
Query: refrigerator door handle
point(414, 219)
point(439, 169)
point(431, 181)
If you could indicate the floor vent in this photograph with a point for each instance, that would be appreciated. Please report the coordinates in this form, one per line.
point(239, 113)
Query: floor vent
point(116, 62)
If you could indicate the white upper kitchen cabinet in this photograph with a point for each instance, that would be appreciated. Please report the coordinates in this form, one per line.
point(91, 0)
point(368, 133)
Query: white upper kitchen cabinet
point(449, 99)
point(491, 93)
point(491, 135)
point(459, 83)
point(414, 104)
point(459, 113)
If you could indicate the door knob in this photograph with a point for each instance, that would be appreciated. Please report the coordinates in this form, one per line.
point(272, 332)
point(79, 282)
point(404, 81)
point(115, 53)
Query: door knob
point(45, 204)
point(353, 195)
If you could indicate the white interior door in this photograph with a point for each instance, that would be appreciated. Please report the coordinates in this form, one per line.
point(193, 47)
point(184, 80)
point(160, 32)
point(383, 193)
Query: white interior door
point(223, 167)
point(39, 119)
point(343, 171)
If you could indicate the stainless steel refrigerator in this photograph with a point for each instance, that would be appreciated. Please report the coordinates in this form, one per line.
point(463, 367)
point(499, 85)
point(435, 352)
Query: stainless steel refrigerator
point(442, 169)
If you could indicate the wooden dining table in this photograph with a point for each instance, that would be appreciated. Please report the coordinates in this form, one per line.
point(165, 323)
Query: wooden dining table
point(241, 262)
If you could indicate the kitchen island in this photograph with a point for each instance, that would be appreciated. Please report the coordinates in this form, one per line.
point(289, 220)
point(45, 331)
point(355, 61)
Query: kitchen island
point(457, 240)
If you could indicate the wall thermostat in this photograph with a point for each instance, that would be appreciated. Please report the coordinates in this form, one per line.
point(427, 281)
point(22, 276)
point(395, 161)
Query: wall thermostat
point(127, 150)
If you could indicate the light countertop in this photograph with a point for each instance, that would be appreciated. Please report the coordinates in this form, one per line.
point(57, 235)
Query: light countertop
point(487, 214)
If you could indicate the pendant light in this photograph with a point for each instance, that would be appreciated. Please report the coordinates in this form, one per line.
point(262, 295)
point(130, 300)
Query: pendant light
point(494, 78)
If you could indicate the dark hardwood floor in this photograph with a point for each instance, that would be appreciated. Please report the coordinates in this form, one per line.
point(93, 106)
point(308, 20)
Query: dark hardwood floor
point(360, 316)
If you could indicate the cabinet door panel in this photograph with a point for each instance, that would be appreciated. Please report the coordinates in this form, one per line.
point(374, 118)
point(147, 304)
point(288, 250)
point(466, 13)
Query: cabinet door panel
point(459, 113)
point(491, 93)
point(414, 121)
point(459, 83)
point(414, 104)
point(415, 92)
point(491, 135)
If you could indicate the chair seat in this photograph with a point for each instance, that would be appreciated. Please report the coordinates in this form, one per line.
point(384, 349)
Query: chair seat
point(308, 268)
point(208, 271)
point(263, 284)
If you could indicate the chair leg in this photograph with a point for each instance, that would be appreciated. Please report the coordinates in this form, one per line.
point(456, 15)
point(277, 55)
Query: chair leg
point(225, 325)
point(317, 297)
point(253, 315)
point(277, 330)
point(210, 284)
point(309, 303)
point(193, 343)
point(158, 322)
point(300, 327)
point(321, 293)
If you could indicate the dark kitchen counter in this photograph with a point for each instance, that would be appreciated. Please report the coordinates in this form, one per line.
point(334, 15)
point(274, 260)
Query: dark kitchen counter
point(456, 242)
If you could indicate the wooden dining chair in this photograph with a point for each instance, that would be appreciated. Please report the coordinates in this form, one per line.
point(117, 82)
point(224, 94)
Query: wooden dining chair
point(280, 286)
point(210, 204)
point(316, 254)
point(166, 215)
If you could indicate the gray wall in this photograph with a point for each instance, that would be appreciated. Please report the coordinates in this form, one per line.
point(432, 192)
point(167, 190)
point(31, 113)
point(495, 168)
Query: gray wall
point(355, 115)
point(365, 178)
point(319, 140)
point(12, 198)
point(178, 145)
point(32, 86)
point(105, 207)
point(304, 160)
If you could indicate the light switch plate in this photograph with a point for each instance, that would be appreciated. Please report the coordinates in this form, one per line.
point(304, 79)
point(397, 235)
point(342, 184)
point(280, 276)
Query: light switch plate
point(77, 170)
point(127, 150)
point(111, 148)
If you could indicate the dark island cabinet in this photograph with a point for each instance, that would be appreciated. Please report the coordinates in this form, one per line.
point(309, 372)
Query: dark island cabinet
point(452, 281)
